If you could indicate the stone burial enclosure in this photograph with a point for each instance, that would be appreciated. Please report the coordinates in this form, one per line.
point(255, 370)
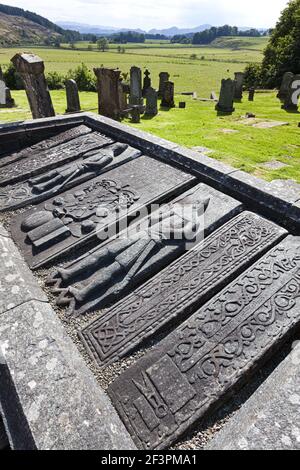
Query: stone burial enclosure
point(203, 320)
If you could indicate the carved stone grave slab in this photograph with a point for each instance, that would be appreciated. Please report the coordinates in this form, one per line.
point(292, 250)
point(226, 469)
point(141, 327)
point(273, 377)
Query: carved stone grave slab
point(91, 209)
point(46, 144)
point(49, 159)
point(196, 367)
point(180, 288)
point(52, 182)
point(106, 274)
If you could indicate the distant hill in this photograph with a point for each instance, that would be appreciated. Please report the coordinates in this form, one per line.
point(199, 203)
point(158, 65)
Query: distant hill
point(17, 30)
point(107, 30)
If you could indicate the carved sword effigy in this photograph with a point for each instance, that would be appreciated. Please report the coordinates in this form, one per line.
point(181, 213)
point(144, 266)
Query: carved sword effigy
point(55, 181)
point(106, 274)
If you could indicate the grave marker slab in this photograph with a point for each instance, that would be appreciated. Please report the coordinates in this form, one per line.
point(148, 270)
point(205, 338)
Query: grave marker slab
point(73, 101)
point(163, 78)
point(151, 102)
point(225, 103)
point(42, 187)
point(72, 218)
point(238, 89)
point(32, 68)
point(187, 283)
point(149, 249)
point(39, 162)
point(286, 80)
point(196, 367)
point(51, 142)
point(146, 83)
point(136, 94)
point(290, 102)
point(110, 99)
point(168, 95)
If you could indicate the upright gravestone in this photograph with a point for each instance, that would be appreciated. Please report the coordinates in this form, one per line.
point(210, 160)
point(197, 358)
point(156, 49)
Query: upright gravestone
point(164, 77)
point(109, 95)
point(239, 81)
point(168, 95)
point(6, 100)
point(151, 102)
point(2, 94)
point(73, 101)
point(225, 103)
point(147, 83)
point(292, 95)
point(286, 81)
point(32, 68)
point(251, 94)
point(136, 98)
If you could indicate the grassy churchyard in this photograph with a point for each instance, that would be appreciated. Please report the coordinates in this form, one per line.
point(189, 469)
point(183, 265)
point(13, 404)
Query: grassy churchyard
point(267, 152)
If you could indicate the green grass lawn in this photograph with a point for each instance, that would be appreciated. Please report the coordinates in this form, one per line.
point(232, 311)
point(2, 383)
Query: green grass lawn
point(240, 145)
point(233, 142)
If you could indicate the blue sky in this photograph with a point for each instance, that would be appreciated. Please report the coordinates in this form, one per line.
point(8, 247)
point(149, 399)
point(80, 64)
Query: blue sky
point(162, 14)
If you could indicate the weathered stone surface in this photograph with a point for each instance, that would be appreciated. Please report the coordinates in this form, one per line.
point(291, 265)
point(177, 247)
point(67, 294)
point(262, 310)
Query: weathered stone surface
point(39, 162)
point(270, 419)
point(17, 284)
point(91, 209)
point(73, 101)
point(110, 98)
point(6, 100)
point(3, 436)
point(251, 94)
point(286, 80)
point(146, 83)
point(163, 78)
point(47, 144)
point(168, 95)
point(49, 399)
point(187, 283)
point(37, 189)
point(135, 257)
point(202, 361)
point(136, 93)
point(151, 102)
point(291, 98)
point(225, 103)
point(31, 68)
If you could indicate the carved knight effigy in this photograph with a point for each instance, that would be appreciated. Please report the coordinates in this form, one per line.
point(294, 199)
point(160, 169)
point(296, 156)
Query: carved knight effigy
point(56, 164)
point(123, 263)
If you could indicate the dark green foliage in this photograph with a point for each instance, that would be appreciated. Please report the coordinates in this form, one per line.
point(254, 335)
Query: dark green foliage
point(85, 79)
point(283, 51)
point(129, 36)
point(209, 35)
point(12, 78)
point(253, 76)
point(55, 81)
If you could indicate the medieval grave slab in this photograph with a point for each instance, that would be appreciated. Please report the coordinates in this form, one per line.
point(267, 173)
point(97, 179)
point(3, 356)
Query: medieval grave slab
point(180, 288)
point(202, 361)
point(42, 187)
point(270, 419)
point(91, 209)
point(49, 159)
point(106, 274)
point(47, 144)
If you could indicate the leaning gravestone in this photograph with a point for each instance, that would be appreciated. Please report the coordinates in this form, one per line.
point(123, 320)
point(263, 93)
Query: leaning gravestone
point(225, 103)
point(136, 94)
point(109, 92)
point(146, 83)
point(292, 95)
point(168, 95)
point(151, 102)
point(31, 68)
point(285, 84)
point(163, 78)
point(239, 81)
point(204, 360)
point(73, 101)
point(91, 210)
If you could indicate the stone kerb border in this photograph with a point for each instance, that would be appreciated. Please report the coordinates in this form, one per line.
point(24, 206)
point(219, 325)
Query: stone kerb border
point(59, 403)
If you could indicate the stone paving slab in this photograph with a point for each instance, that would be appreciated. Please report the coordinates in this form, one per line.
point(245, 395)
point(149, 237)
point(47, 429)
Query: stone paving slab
point(49, 398)
point(270, 419)
point(194, 369)
point(184, 285)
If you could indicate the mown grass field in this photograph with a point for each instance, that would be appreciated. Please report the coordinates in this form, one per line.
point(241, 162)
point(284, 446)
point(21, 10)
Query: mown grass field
point(231, 140)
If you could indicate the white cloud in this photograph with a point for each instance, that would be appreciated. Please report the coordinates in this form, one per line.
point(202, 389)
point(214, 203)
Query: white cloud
point(165, 13)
